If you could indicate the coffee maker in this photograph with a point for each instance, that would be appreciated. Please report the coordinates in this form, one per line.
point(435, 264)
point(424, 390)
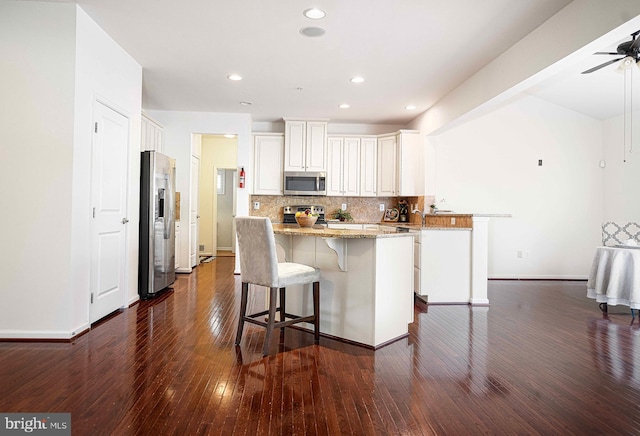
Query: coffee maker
point(403, 211)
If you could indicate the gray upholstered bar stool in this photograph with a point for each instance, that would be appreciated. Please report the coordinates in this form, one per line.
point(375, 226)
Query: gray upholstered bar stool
point(259, 266)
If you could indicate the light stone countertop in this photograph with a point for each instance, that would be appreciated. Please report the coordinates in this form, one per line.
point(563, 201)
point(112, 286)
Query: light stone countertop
point(325, 232)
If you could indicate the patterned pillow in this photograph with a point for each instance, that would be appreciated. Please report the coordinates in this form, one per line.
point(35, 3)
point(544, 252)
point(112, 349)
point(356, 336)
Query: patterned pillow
point(617, 233)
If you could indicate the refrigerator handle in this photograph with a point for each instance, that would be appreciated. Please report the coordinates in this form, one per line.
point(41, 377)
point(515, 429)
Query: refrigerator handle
point(169, 221)
point(161, 203)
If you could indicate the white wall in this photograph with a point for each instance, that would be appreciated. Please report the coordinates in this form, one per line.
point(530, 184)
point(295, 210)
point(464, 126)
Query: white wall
point(37, 42)
point(55, 61)
point(104, 72)
point(621, 196)
point(490, 165)
point(178, 127)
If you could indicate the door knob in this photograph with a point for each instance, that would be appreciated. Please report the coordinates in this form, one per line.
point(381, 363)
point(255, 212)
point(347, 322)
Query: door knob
point(124, 220)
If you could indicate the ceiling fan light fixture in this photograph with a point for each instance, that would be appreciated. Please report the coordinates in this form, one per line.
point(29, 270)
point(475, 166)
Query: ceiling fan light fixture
point(626, 63)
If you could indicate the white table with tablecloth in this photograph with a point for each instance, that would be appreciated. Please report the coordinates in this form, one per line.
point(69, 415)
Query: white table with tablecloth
point(615, 276)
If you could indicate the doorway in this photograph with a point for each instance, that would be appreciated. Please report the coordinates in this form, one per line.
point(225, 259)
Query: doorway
point(224, 212)
point(217, 195)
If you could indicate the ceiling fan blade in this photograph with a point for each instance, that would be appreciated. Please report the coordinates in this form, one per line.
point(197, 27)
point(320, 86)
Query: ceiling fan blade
point(606, 53)
point(636, 42)
point(591, 70)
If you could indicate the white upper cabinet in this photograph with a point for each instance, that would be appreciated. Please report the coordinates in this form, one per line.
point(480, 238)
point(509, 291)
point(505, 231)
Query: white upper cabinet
point(401, 165)
point(267, 154)
point(411, 164)
point(368, 167)
point(334, 166)
point(343, 169)
point(150, 135)
point(305, 145)
point(387, 164)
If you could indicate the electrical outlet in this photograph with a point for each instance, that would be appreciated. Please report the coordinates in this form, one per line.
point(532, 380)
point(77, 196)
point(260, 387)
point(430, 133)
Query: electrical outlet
point(453, 221)
point(256, 205)
point(382, 207)
point(201, 247)
point(344, 206)
point(519, 254)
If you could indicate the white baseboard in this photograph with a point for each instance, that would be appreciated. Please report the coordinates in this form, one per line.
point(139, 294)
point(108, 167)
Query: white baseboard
point(35, 334)
point(184, 270)
point(133, 300)
point(536, 277)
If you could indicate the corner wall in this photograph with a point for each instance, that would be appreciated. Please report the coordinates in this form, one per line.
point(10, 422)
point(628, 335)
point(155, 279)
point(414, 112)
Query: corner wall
point(490, 165)
point(55, 62)
point(104, 72)
point(37, 42)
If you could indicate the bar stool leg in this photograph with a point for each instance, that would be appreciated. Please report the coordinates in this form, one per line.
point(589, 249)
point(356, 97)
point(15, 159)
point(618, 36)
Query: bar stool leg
point(282, 305)
point(316, 311)
point(243, 310)
point(273, 295)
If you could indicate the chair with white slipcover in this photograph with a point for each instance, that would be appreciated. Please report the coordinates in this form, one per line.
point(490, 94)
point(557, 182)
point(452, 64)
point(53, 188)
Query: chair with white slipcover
point(259, 266)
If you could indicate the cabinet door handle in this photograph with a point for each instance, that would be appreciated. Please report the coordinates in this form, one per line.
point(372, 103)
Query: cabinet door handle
point(124, 220)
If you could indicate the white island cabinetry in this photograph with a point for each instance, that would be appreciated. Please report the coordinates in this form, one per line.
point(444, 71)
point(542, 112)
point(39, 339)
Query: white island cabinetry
point(366, 281)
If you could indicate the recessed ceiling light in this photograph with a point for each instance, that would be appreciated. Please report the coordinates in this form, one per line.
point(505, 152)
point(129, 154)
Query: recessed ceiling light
point(229, 136)
point(410, 107)
point(314, 13)
point(344, 106)
point(234, 77)
point(357, 79)
point(246, 103)
point(312, 32)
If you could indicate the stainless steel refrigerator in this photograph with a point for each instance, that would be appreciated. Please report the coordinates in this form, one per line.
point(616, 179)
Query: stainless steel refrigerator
point(156, 267)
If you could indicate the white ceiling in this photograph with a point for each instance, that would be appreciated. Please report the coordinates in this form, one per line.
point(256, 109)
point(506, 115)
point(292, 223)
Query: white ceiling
point(408, 51)
point(600, 94)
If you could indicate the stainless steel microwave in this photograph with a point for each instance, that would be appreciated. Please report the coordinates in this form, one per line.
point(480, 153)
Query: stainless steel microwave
point(305, 183)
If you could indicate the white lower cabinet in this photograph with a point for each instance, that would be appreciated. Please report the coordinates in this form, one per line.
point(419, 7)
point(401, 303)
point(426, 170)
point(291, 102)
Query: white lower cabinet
point(177, 244)
point(444, 267)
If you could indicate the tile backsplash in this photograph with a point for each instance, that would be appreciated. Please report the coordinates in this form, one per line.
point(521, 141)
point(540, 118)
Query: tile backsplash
point(362, 209)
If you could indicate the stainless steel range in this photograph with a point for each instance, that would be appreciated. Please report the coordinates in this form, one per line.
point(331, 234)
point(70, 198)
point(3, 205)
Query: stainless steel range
point(290, 213)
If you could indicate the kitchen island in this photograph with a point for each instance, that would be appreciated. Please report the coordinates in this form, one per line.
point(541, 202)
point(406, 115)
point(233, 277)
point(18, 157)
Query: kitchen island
point(366, 280)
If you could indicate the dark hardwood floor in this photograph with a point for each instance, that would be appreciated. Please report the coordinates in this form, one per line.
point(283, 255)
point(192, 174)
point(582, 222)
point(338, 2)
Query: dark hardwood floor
point(541, 359)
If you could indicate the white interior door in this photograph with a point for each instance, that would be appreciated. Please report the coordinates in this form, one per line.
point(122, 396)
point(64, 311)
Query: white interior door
point(109, 202)
point(194, 215)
